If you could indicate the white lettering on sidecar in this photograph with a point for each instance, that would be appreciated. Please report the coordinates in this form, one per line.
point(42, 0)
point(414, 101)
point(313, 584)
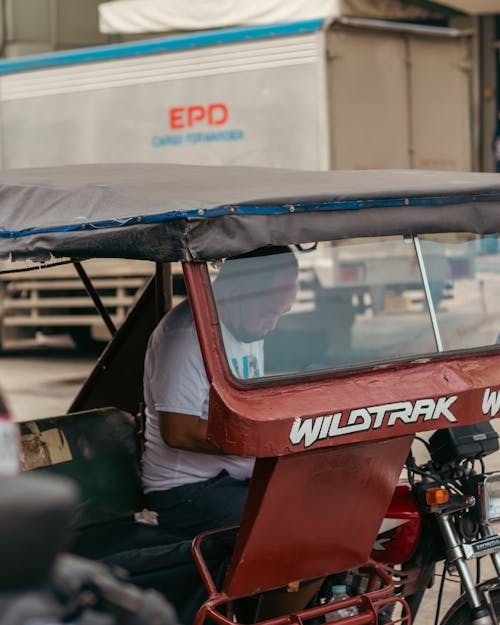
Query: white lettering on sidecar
point(314, 429)
point(491, 402)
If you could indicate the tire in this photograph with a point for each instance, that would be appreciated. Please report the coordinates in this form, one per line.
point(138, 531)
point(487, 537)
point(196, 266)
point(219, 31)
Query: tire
point(459, 613)
point(82, 337)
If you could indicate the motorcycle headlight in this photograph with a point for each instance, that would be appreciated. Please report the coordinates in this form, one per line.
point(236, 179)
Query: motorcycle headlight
point(490, 496)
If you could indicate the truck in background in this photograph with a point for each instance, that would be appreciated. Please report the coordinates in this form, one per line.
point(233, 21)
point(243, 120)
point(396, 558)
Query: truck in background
point(317, 94)
point(345, 94)
point(54, 300)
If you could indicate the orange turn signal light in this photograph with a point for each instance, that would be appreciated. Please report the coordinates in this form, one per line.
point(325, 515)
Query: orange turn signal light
point(436, 496)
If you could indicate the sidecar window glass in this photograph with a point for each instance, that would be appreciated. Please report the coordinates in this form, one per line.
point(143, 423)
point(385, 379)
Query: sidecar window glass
point(464, 278)
point(349, 302)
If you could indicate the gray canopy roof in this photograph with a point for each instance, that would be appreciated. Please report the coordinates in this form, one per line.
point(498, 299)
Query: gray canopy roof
point(173, 212)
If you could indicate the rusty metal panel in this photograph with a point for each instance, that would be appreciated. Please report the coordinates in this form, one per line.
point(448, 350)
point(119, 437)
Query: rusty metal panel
point(368, 99)
point(312, 501)
point(44, 448)
point(439, 71)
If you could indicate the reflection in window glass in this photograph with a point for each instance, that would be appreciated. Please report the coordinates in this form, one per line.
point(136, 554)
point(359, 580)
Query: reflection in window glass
point(347, 303)
point(464, 276)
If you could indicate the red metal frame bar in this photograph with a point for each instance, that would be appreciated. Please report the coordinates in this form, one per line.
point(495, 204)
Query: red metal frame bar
point(369, 604)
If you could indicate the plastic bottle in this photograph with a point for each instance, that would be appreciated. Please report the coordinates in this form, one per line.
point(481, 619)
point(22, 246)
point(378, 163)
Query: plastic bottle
point(339, 592)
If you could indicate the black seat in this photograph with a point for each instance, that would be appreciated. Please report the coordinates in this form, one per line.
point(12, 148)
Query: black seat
point(98, 450)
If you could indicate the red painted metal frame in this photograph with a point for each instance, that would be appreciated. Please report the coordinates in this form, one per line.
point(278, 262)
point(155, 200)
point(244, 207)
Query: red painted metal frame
point(314, 513)
point(257, 419)
point(369, 604)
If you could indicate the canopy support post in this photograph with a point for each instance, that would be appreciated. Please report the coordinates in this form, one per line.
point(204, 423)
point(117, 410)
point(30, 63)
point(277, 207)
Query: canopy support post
point(95, 297)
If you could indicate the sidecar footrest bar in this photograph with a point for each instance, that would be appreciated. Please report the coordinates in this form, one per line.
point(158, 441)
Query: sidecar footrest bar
point(369, 605)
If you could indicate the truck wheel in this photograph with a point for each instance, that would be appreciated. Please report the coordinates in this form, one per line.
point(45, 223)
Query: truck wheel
point(82, 337)
point(460, 612)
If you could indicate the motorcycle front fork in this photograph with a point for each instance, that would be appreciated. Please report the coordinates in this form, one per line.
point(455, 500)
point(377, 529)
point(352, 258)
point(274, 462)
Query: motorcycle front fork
point(481, 614)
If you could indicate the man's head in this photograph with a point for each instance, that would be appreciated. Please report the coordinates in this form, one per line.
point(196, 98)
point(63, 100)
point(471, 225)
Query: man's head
point(254, 290)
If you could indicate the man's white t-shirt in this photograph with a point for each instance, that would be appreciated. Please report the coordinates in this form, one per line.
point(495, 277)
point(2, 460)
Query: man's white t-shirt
point(175, 381)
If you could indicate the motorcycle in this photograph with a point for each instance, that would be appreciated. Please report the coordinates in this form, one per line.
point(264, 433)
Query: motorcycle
point(446, 512)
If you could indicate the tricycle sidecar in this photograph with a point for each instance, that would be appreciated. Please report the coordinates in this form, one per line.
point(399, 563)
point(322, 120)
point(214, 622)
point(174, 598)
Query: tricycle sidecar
point(393, 332)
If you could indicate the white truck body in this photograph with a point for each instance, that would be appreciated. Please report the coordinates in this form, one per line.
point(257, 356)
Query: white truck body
point(349, 94)
point(315, 94)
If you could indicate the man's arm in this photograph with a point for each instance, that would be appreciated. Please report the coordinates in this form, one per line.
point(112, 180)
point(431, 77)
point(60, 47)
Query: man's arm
point(185, 432)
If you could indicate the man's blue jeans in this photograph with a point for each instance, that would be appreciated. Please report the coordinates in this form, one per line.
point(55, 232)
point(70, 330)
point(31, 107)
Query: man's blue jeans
point(190, 509)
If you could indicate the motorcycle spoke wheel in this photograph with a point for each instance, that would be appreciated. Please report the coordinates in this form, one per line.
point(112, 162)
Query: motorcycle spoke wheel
point(460, 612)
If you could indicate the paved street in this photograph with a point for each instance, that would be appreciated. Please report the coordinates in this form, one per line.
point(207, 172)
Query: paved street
point(41, 379)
